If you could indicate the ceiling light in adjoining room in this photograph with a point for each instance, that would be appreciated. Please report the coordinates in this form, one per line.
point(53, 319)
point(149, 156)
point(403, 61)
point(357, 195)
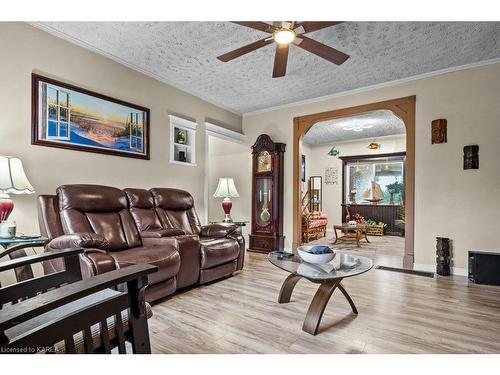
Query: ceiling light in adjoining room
point(284, 36)
point(358, 128)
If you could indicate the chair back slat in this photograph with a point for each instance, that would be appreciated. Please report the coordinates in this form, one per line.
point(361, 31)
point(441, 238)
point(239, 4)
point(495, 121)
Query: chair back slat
point(69, 344)
point(105, 336)
point(88, 340)
point(120, 333)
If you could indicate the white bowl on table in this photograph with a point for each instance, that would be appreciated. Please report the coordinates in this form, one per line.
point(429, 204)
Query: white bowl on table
point(314, 258)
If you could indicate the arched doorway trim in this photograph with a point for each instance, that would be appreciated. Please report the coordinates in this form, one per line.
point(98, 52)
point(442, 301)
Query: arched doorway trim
point(404, 108)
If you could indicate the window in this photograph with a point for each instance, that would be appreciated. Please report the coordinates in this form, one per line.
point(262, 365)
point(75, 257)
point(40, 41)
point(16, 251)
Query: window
point(368, 179)
point(58, 114)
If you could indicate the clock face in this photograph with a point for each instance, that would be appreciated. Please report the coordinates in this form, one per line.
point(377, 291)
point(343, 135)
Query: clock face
point(264, 162)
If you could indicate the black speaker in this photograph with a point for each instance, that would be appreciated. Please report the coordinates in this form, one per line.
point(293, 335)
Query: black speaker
point(484, 268)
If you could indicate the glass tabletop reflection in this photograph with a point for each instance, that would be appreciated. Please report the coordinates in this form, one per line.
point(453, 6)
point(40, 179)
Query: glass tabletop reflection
point(343, 265)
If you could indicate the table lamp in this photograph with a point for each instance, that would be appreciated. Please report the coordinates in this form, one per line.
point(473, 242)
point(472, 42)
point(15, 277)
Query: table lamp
point(226, 190)
point(13, 180)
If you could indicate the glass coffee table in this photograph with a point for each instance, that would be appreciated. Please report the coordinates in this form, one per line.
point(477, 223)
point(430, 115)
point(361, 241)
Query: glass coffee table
point(328, 275)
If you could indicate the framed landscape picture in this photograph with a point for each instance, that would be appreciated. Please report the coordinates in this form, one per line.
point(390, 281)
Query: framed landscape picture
point(70, 117)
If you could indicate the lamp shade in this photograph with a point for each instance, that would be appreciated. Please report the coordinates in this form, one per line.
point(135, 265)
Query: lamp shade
point(226, 188)
point(13, 180)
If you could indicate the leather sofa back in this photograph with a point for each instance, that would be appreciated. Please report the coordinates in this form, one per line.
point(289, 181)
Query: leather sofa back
point(142, 209)
point(175, 209)
point(98, 209)
point(48, 216)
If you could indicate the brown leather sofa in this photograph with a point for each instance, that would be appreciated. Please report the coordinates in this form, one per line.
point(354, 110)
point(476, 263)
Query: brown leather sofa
point(160, 226)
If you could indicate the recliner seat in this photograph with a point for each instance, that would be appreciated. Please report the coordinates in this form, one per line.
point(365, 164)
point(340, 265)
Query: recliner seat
point(221, 245)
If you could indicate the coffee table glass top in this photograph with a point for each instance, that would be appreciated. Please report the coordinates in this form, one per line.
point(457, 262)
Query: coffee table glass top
point(343, 265)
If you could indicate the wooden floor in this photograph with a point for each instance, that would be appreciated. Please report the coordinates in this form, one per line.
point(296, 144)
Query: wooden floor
point(398, 313)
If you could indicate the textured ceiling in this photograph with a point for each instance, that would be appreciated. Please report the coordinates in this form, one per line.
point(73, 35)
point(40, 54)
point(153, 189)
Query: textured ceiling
point(184, 55)
point(367, 125)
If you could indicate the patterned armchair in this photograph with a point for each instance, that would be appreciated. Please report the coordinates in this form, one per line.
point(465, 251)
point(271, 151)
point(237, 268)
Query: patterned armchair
point(313, 225)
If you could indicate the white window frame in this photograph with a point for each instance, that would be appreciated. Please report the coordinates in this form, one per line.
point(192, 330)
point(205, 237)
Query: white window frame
point(58, 120)
point(134, 122)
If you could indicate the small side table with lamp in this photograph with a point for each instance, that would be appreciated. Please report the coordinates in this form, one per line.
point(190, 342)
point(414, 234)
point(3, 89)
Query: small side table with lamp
point(227, 190)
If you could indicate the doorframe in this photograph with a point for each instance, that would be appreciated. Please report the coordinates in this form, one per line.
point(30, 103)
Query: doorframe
point(217, 131)
point(404, 108)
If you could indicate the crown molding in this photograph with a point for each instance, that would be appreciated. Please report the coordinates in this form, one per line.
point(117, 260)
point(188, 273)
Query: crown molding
point(376, 86)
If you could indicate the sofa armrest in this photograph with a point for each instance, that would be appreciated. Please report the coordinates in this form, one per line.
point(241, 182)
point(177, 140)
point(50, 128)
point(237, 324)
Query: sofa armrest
point(160, 233)
point(97, 262)
point(218, 230)
point(76, 240)
point(94, 260)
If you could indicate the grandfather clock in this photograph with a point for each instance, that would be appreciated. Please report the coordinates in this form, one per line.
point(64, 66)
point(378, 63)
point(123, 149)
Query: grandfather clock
point(267, 196)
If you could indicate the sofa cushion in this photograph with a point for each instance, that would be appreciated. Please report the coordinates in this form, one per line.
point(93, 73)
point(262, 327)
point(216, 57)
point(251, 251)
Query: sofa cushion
point(175, 208)
point(166, 258)
point(217, 251)
point(142, 209)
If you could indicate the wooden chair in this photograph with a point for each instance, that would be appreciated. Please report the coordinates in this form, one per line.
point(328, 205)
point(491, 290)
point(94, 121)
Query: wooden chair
point(314, 225)
point(61, 313)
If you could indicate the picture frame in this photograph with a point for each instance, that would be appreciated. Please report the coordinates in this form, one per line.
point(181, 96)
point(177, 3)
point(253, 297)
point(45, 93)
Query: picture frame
point(70, 117)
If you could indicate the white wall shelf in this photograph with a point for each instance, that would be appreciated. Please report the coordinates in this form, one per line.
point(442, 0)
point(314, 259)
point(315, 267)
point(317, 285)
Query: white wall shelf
point(182, 141)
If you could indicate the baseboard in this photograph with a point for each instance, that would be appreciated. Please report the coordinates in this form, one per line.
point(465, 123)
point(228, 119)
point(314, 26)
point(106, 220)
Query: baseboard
point(432, 268)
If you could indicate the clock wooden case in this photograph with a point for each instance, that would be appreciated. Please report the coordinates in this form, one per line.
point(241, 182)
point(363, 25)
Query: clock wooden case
point(267, 196)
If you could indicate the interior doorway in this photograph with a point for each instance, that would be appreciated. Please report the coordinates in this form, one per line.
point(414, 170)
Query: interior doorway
point(404, 109)
point(226, 156)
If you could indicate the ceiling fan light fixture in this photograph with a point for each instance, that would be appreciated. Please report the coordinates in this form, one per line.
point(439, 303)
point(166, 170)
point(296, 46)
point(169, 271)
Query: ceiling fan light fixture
point(284, 36)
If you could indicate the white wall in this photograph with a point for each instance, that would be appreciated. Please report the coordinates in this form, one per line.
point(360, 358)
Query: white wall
point(25, 50)
point(230, 159)
point(319, 160)
point(449, 201)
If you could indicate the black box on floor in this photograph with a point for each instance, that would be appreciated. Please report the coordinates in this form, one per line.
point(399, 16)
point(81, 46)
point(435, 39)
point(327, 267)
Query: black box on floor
point(484, 267)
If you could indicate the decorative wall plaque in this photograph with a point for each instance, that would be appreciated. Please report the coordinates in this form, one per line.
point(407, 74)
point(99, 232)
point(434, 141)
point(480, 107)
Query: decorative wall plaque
point(471, 157)
point(331, 175)
point(439, 131)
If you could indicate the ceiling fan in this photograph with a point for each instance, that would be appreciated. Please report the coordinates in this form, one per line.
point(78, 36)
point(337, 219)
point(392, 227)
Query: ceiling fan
point(285, 33)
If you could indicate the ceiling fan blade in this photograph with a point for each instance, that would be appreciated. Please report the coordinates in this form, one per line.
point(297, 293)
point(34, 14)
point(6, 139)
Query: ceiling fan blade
point(262, 26)
point(280, 60)
point(310, 26)
point(322, 50)
point(245, 49)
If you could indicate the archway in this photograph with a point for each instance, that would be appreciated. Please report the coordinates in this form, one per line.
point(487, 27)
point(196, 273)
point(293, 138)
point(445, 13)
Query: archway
point(404, 108)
